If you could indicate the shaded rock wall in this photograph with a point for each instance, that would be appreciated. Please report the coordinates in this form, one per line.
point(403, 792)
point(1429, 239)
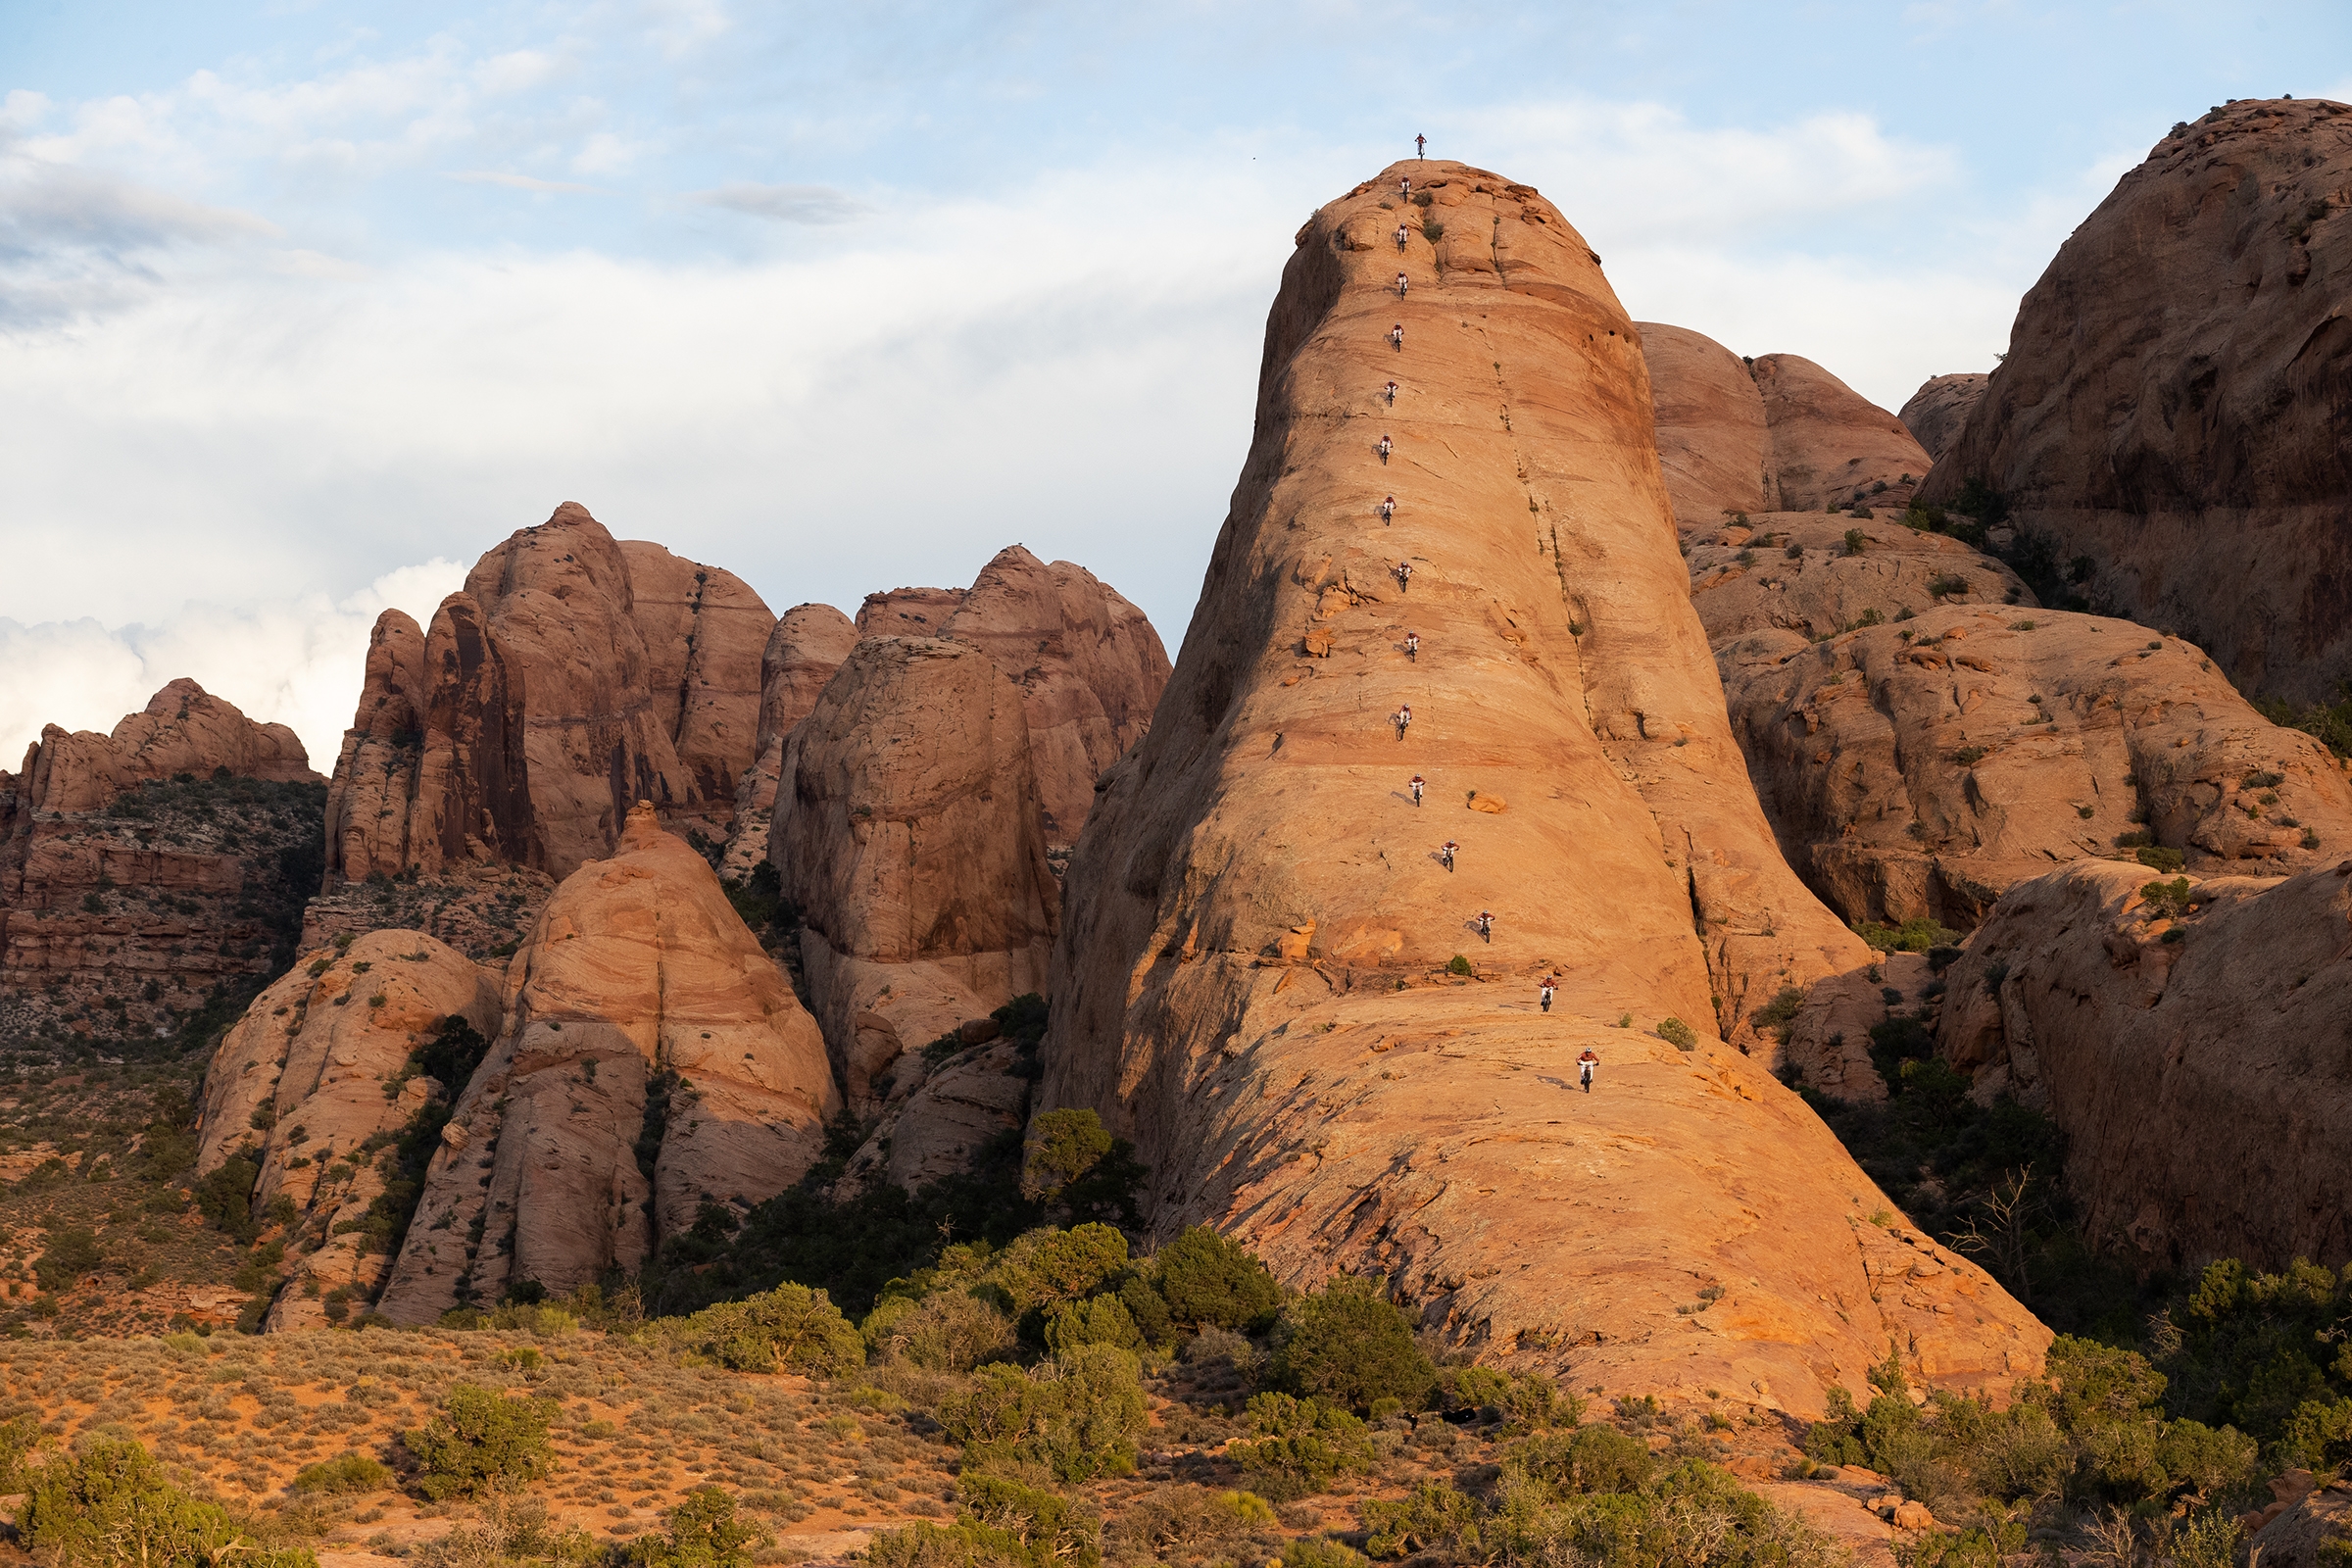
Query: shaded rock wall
point(2172, 402)
point(1935, 414)
point(1829, 443)
point(807, 646)
point(1708, 419)
point(1251, 981)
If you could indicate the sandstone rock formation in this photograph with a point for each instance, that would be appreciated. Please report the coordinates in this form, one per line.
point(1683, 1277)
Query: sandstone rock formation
point(545, 697)
point(805, 648)
point(2170, 406)
point(936, 1119)
point(2192, 1047)
point(640, 1016)
point(1709, 423)
point(1922, 768)
point(907, 831)
point(1250, 983)
point(321, 1064)
point(1829, 443)
point(1936, 412)
point(148, 871)
point(1800, 572)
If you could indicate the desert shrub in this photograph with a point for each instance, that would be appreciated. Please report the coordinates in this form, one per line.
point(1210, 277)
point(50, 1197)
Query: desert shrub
point(947, 1331)
point(1180, 1524)
point(108, 1503)
point(1318, 1551)
point(1301, 1445)
point(1347, 1345)
point(703, 1533)
point(19, 1438)
point(1458, 965)
point(1781, 1009)
point(1208, 1279)
point(348, 1473)
point(1915, 935)
point(1597, 1459)
point(225, 1196)
point(1434, 1517)
point(1078, 1414)
point(72, 1251)
point(480, 1439)
point(1055, 1529)
point(1677, 1034)
point(2165, 898)
point(1855, 542)
point(507, 1531)
point(1046, 1266)
point(1471, 1388)
point(1097, 1320)
point(1835, 1439)
point(966, 1544)
point(1063, 1145)
point(792, 1328)
point(2159, 857)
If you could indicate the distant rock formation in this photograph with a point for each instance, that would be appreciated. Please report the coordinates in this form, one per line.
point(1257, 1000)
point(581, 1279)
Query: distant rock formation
point(1256, 979)
point(1777, 433)
point(805, 648)
point(1936, 412)
point(908, 833)
point(652, 1060)
point(545, 698)
point(320, 1073)
point(147, 872)
point(2191, 1043)
point(2172, 406)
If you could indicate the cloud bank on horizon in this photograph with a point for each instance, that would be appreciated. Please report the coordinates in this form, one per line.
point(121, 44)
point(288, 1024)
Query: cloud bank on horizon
point(846, 301)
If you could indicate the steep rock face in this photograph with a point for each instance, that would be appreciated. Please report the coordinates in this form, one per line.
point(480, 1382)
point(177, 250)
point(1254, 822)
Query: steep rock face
point(1800, 572)
point(1829, 443)
point(639, 1015)
point(937, 1118)
point(1935, 414)
point(1251, 980)
point(1709, 419)
point(545, 700)
point(320, 1064)
point(1924, 768)
point(908, 611)
point(1089, 667)
point(908, 832)
point(2197, 1062)
point(2172, 402)
point(805, 648)
point(146, 871)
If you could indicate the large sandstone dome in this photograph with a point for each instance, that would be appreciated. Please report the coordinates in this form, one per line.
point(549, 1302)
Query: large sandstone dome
point(1251, 980)
point(2172, 406)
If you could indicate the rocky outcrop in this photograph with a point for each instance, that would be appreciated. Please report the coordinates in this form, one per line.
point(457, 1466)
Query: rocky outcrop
point(2189, 1040)
point(805, 648)
point(1922, 769)
point(936, 1119)
point(1939, 409)
point(1089, 665)
point(1709, 423)
point(908, 611)
point(908, 832)
point(2170, 406)
point(652, 1060)
point(321, 1074)
point(1251, 983)
point(1817, 575)
point(146, 873)
point(1829, 443)
point(545, 698)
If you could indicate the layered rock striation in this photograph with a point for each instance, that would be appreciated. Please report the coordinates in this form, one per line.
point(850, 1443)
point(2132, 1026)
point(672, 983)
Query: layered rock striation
point(1935, 414)
point(2188, 1036)
point(652, 1060)
point(322, 1074)
point(151, 871)
point(544, 699)
point(2170, 407)
point(1252, 979)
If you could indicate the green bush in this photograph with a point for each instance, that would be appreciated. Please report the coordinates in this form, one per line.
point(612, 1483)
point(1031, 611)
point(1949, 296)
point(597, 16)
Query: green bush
point(72, 1252)
point(1056, 1530)
point(1677, 1034)
point(1078, 1415)
point(1915, 935)
point(947, 1331)
point(108, 1503)
point(225, 1196)
point(791, 1328)
point(1457, 965)
point(1855, 542)
point(1208, 1280)
point(1435, 1517)
point(2158, 858)
point(703, 1533)
point(1347, 1345)
point(1587, 1461)
point(1302, 1446)
point(1318, 1551)
point(1063, 1145)
point(482, 1438)
point(350, 1473)
point(2166, 899)
point(19, 1438)
point(1097, 1320)
point(1046, 1266)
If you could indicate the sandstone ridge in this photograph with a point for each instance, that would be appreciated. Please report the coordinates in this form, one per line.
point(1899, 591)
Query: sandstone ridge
point(1251, 980)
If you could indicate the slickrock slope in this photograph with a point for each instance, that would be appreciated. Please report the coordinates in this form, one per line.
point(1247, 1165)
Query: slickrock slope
point(1829, 443)
point(1250, 981)
point(908, 611)
point(1924, 768)
point(1939, 409)
point(320, 1064)
point(2197, 1062)
point(2171, 403)
point(544, 700)
point(153, 868)
point(641, 1012)
point(805, 648)
point(1746, 579)
point(1709, 418)
point(908, 832)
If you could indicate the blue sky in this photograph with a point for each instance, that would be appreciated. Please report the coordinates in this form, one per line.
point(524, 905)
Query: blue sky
point(303, 306)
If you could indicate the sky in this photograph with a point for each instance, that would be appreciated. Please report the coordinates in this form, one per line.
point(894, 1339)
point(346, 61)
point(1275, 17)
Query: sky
point(304, 305)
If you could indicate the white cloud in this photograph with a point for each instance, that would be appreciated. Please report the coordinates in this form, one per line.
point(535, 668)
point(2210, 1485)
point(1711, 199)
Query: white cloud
point(605, 153)
point(296, 661)
point(490, 176)
point(785, 204)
